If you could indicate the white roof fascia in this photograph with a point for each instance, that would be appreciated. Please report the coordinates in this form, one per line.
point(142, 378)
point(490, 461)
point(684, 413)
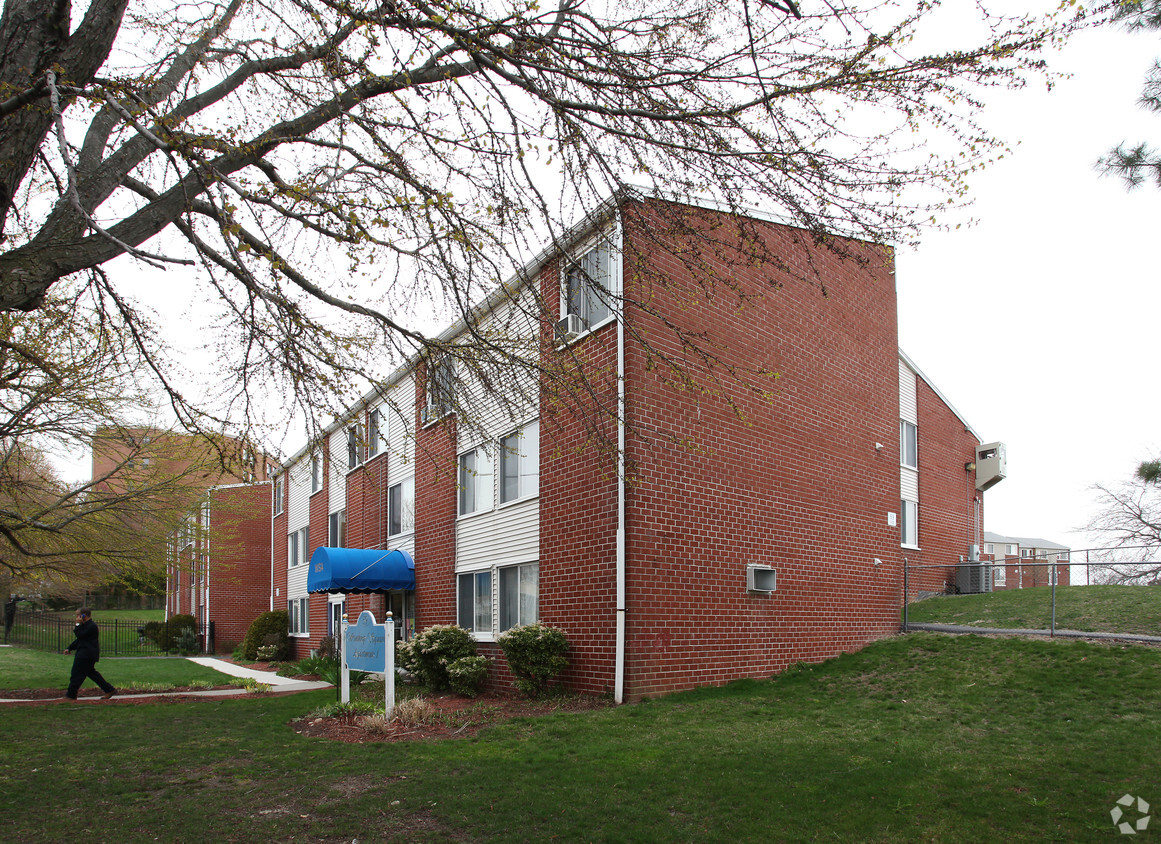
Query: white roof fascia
point(915, 368)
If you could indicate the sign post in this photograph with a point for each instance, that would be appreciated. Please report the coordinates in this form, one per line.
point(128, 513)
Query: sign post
point(368, 646)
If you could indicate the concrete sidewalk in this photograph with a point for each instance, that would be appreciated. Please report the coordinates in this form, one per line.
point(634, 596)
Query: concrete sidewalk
point(276, 683)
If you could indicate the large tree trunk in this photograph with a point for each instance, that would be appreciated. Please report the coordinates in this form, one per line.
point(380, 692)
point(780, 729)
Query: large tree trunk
point(34, 38)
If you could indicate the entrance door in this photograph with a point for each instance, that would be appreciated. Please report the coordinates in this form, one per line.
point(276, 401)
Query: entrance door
point(338, 604)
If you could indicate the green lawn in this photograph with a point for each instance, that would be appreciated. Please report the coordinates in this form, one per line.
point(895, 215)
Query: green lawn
point(23, 668)
point(1098, 609)
point(916, 738)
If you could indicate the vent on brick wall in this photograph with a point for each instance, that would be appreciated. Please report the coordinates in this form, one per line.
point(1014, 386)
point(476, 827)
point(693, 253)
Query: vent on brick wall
point(761, 579)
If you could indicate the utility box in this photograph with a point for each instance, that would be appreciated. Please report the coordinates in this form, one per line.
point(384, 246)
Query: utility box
point(761, 579)
point(991, 465)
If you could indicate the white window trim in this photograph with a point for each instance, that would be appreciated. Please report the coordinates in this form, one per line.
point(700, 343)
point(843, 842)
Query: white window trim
point(490, 634)
point(497, 468)
point(573, 257)
point(302, 602)
point(321, 477)
point(410, 530)
point(903, 521)
point(482, 448)
point(496, 576)
point(360, 446)
point(279, 494)
point(903, 423)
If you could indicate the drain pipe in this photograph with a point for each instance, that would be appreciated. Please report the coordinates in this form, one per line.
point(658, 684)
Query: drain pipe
point(619, 671)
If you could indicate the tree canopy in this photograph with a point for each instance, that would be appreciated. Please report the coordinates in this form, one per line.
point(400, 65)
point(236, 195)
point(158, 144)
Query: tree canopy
point(338, 169)
point(1139, 162)
point(324, 181)
point(1129, 519)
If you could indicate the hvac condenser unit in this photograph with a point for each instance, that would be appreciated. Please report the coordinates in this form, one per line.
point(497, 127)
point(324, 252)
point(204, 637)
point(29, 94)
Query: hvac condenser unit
point(991, 465)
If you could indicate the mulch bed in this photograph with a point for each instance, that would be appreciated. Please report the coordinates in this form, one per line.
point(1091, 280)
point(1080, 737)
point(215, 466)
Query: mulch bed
point(451, 717)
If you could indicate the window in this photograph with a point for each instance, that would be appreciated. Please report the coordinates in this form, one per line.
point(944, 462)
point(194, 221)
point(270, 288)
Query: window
point(910, 524)
point(296, 547)
point(373, 441)
point(401, 507)
point(999, 575)
point(1011, 550)
point(475, 610)
point(1026, 553)
point(299, 611)
point(475, 481)
point(337, 530)
point(587, 286)
point(908, 444)
point(278, 491)
point(354, 446)
point(441, 387)
point(520, 463)
point(519, 595)
point(316, 473)
point(990, 549)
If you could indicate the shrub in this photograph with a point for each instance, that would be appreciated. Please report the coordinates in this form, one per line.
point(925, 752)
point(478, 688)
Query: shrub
point(428, 655)
point(171, 633)
point(186, 641)
point(326, 648)
point(275, 624)
point(414, 711)
point(535, 654)
point(467, 674)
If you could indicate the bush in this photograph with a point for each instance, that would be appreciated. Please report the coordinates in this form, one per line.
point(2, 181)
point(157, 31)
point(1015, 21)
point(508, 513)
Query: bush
point(428, 655)
point(186, 641)
point(535, 654)
point(270, 628)
point(172, 633)
point(467, 674)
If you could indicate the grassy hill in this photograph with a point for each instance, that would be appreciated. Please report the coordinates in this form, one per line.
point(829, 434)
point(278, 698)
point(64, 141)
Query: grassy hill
point(919, 738)
point(1098, 609)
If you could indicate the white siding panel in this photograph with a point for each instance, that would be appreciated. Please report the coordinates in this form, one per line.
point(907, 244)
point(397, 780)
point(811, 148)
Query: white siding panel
point(508, 535)
point(298, 487)
point(296, 581)
point(404, 542)
point(399, 414)
point(337, 475)
point(909, 484)
point(908, 399)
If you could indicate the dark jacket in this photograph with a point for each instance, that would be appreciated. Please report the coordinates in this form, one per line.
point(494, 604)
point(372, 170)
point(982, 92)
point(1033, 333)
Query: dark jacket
point(86, 645)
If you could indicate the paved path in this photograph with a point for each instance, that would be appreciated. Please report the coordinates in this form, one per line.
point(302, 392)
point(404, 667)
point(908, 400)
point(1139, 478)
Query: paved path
point(1061, 634)
point(276, 683)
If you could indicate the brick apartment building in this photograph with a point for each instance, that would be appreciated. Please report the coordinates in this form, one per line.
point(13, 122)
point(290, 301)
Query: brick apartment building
point(703, 540)
point(1023, 562)
point(219, 569)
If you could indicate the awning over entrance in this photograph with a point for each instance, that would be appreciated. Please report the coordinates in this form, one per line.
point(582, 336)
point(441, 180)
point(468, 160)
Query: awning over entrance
point(347, 570)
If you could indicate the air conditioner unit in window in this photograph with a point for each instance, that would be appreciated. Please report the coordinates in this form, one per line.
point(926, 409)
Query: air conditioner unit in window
point(761, 579)
point(569, 328)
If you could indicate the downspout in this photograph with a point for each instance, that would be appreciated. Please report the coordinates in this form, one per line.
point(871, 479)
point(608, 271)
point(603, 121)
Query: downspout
point(619, 677)
point(273, 486)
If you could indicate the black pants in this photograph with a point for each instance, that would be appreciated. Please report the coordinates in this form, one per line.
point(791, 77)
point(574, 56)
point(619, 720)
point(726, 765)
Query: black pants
point(83, 668)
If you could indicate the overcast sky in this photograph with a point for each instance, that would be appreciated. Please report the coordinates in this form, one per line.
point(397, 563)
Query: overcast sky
point(1040, 323)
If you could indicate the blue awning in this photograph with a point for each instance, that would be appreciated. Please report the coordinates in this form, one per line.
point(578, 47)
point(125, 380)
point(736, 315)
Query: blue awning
point(347, 570)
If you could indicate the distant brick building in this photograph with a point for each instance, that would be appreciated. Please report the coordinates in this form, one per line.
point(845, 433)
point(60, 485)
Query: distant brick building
point(1022, 562)
point(219, 569)
point(704, 542)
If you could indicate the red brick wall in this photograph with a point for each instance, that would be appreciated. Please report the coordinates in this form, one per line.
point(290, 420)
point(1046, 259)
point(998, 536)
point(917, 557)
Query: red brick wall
point(435, 517)
point(240, 557)
point(796, 484)
point(948, 522)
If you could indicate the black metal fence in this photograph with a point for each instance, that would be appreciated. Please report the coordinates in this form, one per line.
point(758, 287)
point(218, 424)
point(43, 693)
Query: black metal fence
point(52, 631)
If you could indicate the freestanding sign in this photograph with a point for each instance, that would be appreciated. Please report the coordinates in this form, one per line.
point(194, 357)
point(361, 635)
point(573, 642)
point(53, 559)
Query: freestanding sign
point(368, 646)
